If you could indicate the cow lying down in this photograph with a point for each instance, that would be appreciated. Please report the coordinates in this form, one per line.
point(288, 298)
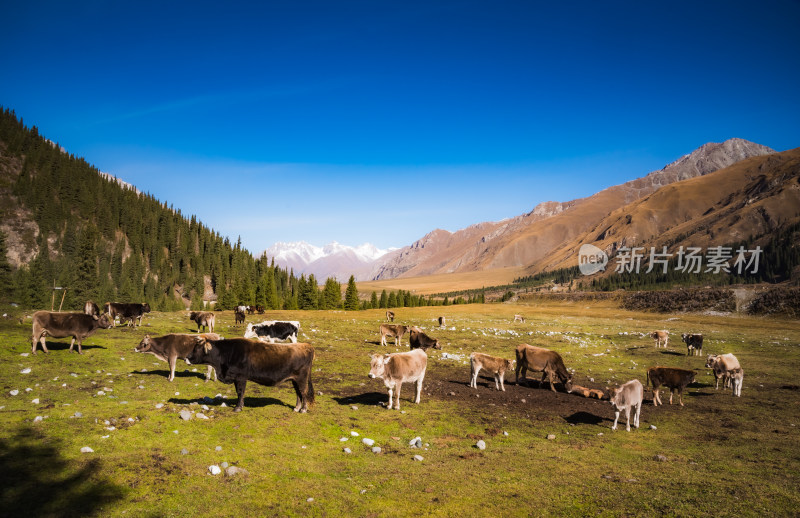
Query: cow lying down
point(171, 348)
point(586, 392)
point(240, 360)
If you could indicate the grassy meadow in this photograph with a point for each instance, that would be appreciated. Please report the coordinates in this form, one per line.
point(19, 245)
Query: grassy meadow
point(721, 455)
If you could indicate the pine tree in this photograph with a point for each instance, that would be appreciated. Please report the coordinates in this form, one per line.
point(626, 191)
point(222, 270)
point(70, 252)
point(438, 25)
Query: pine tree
point(6, 281)
point(351, 302)
point(373, 301)
point(384, 302)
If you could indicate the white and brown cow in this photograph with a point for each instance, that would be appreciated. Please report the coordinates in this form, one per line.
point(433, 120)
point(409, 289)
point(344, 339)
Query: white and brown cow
point(737, 379)
point(496, 366)
point(519, 318)
point(398, 368)
point(170, 348)
point(396, 331)
point(661, 338)
point(627, 396)
point(203, 319)
point(91, 308)
point(442, 321)
point(722, 365)
point(390, 316)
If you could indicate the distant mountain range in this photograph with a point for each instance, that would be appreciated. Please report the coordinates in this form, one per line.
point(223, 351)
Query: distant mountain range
point(332, 260)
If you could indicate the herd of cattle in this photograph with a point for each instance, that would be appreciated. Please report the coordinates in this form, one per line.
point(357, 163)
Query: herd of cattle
point(255, 357)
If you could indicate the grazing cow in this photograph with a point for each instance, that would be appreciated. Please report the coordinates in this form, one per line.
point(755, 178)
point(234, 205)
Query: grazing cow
point(260, 310)
point(250, 309)
point(539, 359)
point(660, 337)
point(722, 365)
point(519, 318)
point(398, 368)
point(390, 316)
point(238, 316)
point(497, 366)
point(394, 330)
point(671, 377)
point(241, 309)
point(203, 319)
point(170, 348)
point(627, 396)
point(694, 343)
point(419, 340)
point(130, 312)
point(586, 392)
point(61, 325)
point(737, 378)
point(240, 360)
point(271, 330)
point(90, 308)
point(441, 321)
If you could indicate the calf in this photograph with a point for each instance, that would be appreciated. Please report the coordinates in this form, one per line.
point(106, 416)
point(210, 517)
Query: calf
point(660, 337)
point(130, 312)
point(519, 318)
point(441, 321)
point(497, 366)
point(90, 308)
point(394, 330)
point(539, 359)
point(61, 325)
point(241, 309)
point(722, 365)
point(240, 360)
point(737, 378)
point(629, 395)
point(260, 310)
point(203, 319)
point(419, 340)
point(172, 347)
point(694, 343)
point(390, 316)
point(671, 377)
point(271, 330)
point(398, 368)
point(238, 316)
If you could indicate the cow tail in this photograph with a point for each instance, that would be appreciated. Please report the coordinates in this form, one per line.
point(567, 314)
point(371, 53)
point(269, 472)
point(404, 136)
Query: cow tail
point(647, 379)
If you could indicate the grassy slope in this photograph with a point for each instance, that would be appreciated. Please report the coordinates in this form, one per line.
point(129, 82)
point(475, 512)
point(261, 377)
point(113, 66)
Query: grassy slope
point(735, 456)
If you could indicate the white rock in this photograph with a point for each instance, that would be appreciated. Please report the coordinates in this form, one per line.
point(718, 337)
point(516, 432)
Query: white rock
point(416, 442)
point(419, 457)
point(35, 401)
point(481, 445)
point(347, 450)
point(214, 469)
point(86, 449)
point(343, 439)
point(24, 354)
point(354, 434)
point(159, 405)
point(201, 415)
point(653, 427)
point(185, 415)
point(505, 433)
point(37, 419)
point(101, 393)
point(218, 448)
point(309, 499)
point(26, 370)
point(14, 392)
point(368, 442)
point(551, 437)
point(376, 449)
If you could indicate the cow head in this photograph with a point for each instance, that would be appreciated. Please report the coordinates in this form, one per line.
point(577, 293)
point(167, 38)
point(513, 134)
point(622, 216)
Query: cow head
point(711, 360)
point(201, 349)
point(377, 366)
point(104, 321)
point(144, 345)
point(436, 344)
point(146, 307)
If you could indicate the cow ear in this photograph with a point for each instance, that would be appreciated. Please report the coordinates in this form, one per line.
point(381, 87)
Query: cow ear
point(95, 317)
point(386, 359)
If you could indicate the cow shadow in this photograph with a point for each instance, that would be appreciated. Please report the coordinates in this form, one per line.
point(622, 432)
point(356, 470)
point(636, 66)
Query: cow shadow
point(368, 398)
point(178, 374)
point(249, 402)
point(672, 353)
point(585, 418)
point(64, 346)
point(36, 480)
point(375, 342)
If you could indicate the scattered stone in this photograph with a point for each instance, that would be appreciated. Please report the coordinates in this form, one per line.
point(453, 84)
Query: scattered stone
point(14, 392)
point(184, 451)
point(309, 499)
point(660, 458)
point(523, 401)
point(481, 445)
point(37, 419)
point(111, 428)
point(214, 469)
point(201, 415)
point(354, 434)
point(185, 415)
point(319, 393)
point(505, 433)
point(74, 375)
point(35, 401)
point(223, 404)
point(24, 354)
point(204, 407)
point(653, 427)
point(218, 448)
point(86, 449)
point(101, 393)
point(416, 442)
point(344, 439)
point(223, 465)
point(347, 450)
point(419, 457)
point(159, 405)
point(368, 442)
point(452, 393)
point(26, 370)
point(600, 434)
point(608, 477)
point(550, 437)
point(354, 407)
point(376, 449)
point(232, 471)
point(77, 414)
point(175, 432)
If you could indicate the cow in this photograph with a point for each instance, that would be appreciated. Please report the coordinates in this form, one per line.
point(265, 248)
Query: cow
point(238, 316)
point(497, 366)
point(519, 318)
point(271, 330)
point(539, 359)
point(722, 365)
point(673, 378)
point(241, 309)
point(586, 392)
point(126, 311)
point(170, 348)
point(61, 325)
point(90, 308)
point(260, 310)
point(203, 319)
point(398, 368)
point(737, 378)
point(660, 337)
point(390, 316)
point(441, 321)
point(419, 340)
point(627, 396)
point(394, 330)
point(239, 360)
point(694, 343)
point(250, 309)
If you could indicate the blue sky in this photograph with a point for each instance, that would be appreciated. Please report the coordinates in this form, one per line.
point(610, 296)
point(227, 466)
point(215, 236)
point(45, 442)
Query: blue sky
point(379, 121)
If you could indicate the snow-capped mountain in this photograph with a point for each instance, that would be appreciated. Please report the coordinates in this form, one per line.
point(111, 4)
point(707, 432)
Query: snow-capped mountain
point(332, 260)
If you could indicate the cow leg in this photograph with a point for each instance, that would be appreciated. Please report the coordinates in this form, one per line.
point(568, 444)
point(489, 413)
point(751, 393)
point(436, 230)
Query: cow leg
point(293, 338)
point(172, 361)
point(473, 382)
point(501, 376)
point(209, 371)
point(628, 418)
point(383, 340)
point(300, 405)
point(616, 418)
point(636, 415)
point(391, 401)
point(79, 341)
point(419, 388)
point(680, 397)
point(240, 386)
point(656, 399)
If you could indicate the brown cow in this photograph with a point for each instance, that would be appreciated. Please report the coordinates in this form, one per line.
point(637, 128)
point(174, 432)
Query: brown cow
point(519, 318)
point(239, 360)
point(441, 321)
point(539, 359)
point(238, 317)
point(627, 396)
point(61, 325)
point(722, 365)
point(204, 319)
point(497, 366)
point(398, 368)
point(170, 348)
point(419, 340)
point(394, 330)
point(670, 377)
point(660, 337)
point(90, 308)
point(390, 316)
point(130, 311)
point(586, 392)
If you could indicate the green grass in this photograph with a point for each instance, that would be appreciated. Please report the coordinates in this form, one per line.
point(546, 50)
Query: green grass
point(728, 456)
